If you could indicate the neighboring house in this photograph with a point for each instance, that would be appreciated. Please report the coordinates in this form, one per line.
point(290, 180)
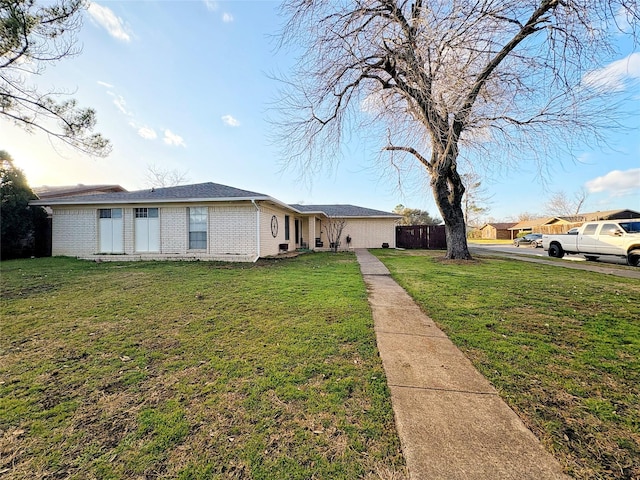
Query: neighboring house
point(74, 190)
point(557, 225)
point(46, 192)
point(497, 231)
point(205, 221)
point(537, 225)
point(604, 215)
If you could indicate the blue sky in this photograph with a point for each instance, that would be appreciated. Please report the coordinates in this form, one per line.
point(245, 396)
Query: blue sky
point(185, 85)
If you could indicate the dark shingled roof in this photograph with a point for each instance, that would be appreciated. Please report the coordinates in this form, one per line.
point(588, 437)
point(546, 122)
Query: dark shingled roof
point(344, 211)
point(207, 192)
point(200, 191)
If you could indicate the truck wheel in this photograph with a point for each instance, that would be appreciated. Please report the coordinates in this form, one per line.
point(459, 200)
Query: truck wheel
point(555, 251)
point(590, 258)
point(633, 258)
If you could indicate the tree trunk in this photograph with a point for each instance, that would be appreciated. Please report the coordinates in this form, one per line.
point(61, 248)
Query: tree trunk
point(448, 191)
point(456, 234)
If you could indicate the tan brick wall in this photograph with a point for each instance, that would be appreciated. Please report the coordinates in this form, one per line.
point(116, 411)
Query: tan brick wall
point(366, 233)
point(268, 244)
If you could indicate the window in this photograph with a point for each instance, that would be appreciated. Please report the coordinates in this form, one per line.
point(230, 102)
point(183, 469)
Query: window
point(610, 229)
point(146, 213)
point(631, 227)
point(110, 230)
point(198, 228)
point(590, 229)
point(147, 229)
point(286, 227)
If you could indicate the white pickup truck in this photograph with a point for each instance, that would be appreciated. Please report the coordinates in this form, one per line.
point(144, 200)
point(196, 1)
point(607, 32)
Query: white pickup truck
point(594, 239)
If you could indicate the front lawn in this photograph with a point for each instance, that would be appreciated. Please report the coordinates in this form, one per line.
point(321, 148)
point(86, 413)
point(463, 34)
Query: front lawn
point(561, 346)
point(191, 370)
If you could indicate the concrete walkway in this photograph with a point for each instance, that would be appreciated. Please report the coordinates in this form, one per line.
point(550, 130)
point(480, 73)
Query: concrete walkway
point(451, 422)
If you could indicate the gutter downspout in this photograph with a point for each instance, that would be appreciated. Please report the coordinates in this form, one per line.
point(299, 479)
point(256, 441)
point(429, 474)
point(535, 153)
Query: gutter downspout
point(257, 229)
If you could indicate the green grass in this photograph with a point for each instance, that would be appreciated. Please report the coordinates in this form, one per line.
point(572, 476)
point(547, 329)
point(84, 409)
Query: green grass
point(561, 346)
point(191, 370)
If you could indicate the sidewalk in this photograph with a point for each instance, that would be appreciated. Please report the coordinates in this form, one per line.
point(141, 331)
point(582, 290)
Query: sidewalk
point(451, 422)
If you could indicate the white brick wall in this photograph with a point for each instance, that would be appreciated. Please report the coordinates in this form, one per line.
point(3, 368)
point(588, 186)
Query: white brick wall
point(174, 230)
point(232, 230)
point(74, 231)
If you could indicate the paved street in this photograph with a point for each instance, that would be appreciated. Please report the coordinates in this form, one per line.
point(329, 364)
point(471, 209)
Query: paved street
point(610, 267)
point(539, 252)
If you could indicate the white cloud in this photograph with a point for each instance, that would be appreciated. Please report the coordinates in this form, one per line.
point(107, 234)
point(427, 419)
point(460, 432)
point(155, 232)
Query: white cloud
point(211, 5)
point(614, 76)
point(227, 18)
point(104, 84)
point(105, 17)
point(147, 133)
point(171, 138)
point(229, 120)
point(623, 20)
point(618, 183)
point(121, 104)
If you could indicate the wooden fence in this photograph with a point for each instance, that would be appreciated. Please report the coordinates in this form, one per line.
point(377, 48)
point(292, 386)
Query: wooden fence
point(555, 229)
point(421, 236)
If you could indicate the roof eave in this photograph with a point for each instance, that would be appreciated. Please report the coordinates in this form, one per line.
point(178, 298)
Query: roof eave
point(44, 203)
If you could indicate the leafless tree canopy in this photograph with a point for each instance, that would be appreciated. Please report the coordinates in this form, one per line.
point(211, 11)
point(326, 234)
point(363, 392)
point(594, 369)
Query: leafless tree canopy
point(33, 36)
point(476, 199)
point(440, 77)
point(562, 205)
point(156, 176)
point(333, 227)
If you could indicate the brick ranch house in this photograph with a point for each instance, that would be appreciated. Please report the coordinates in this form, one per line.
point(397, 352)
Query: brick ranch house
point(206, 221)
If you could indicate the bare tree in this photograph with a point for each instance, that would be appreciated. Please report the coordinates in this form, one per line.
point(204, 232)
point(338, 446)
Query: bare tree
point(333, 227)
point(33, 36)
point(435, 79)
point(524, 217)
point(160, 177)
point(560, 205)
point(475, 200)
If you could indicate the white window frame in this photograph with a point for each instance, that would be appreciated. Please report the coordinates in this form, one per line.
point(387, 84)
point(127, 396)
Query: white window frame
point(197, 223)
